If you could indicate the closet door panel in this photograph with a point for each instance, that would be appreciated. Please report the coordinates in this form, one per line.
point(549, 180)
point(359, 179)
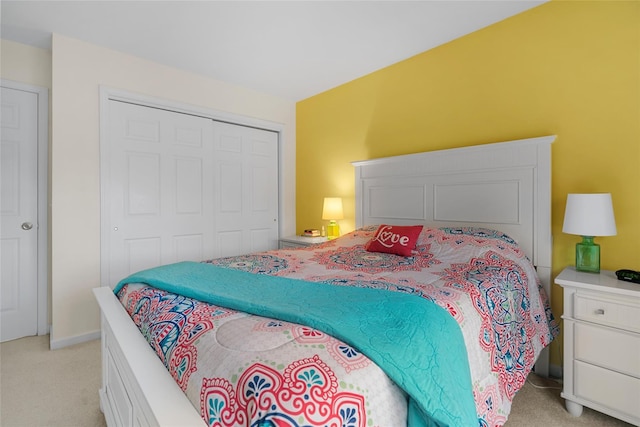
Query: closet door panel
point(247, 206)
point(189, 186)
point(180, 187)
point(141, 184)
point(230, 193)
point(160, 184)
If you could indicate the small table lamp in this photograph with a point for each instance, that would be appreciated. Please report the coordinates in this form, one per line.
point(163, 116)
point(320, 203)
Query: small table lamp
point(332, 210)
point(589, 215)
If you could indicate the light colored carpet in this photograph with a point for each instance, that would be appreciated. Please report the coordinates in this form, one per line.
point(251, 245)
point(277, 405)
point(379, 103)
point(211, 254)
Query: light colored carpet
point(543, 407)
point(43, 388)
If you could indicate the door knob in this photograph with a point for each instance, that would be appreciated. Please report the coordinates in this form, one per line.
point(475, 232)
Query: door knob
point(27, 226)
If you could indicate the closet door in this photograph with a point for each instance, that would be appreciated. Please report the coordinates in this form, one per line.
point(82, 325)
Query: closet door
point(182, 187)
point(159, 189)
point(246, 169)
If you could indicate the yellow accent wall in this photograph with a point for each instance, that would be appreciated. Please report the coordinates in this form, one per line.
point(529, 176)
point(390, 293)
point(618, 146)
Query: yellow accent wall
point(566, 68)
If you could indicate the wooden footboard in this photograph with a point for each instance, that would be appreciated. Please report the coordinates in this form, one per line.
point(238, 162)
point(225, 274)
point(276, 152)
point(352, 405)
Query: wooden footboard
point(137, 390)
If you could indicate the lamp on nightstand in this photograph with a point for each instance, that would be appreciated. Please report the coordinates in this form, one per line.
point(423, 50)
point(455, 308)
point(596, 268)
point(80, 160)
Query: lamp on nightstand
point(589, 215)
point(332, 210)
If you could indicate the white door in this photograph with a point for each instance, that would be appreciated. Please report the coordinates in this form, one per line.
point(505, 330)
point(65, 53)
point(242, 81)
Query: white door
point(159, 188)
point(246, 167)
point(182, 187)
point(19, 208)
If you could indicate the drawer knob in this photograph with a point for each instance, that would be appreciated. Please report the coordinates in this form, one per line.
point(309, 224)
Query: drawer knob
point(600, 311)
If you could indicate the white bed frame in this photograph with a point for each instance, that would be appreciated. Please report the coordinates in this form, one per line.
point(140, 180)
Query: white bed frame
point(506, 186)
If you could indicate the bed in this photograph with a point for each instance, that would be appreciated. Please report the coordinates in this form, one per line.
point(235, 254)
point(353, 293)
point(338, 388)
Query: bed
point(335, 334)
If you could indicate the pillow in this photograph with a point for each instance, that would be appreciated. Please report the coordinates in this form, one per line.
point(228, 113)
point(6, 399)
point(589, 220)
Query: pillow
point(394, 239)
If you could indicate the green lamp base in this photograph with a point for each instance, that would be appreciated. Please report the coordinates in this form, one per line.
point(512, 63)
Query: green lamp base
point(588, 255)
point(333, 230)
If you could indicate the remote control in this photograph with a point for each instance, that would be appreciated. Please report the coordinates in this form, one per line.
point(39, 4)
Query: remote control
point(629, 276)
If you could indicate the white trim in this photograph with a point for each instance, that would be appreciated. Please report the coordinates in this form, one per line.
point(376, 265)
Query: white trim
point(43, 197)
point(76, 339)
point(108, 93)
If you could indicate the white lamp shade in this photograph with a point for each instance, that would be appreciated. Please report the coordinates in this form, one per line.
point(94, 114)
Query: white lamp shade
point(589, 215)
point(332, 208)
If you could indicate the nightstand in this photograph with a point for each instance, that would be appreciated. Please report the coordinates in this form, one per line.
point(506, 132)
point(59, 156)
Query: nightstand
point(300, 241)
point(601, 344)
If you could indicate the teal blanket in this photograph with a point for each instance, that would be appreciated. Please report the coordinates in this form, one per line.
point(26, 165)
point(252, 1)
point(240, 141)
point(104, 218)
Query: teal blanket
point(416, 342)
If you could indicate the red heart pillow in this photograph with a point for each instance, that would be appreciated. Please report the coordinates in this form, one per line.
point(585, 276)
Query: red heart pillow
point(395, 239)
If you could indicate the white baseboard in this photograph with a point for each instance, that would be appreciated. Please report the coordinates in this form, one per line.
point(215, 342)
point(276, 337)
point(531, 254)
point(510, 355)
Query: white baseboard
point(68, 341)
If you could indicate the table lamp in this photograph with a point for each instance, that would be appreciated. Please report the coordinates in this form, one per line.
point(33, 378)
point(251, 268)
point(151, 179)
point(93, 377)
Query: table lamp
point(589, 215)
point(332, 210)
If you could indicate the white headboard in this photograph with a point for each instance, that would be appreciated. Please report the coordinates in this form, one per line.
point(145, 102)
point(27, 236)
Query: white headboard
point(504, 186)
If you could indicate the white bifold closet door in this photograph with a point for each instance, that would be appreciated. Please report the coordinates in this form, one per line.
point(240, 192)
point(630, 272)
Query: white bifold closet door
point(182, 187)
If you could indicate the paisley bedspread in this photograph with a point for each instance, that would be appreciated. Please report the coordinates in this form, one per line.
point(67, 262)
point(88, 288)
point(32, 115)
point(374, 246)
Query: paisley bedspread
point(241, 369)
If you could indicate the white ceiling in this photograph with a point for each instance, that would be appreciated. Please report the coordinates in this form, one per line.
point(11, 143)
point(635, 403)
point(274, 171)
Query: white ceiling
point(290, 49)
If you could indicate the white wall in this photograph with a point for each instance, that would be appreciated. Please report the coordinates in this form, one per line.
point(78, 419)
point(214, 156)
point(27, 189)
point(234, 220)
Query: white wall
point(78, 71)
point(25, 64)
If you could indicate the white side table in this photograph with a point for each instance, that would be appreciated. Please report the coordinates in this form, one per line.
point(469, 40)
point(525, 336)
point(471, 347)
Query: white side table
point(601, 344)
point(300, 241)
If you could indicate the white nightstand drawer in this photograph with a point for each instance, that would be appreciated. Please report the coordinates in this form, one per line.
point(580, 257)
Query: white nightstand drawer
point(608, 348)
point(611, 389)
point(605, 311)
